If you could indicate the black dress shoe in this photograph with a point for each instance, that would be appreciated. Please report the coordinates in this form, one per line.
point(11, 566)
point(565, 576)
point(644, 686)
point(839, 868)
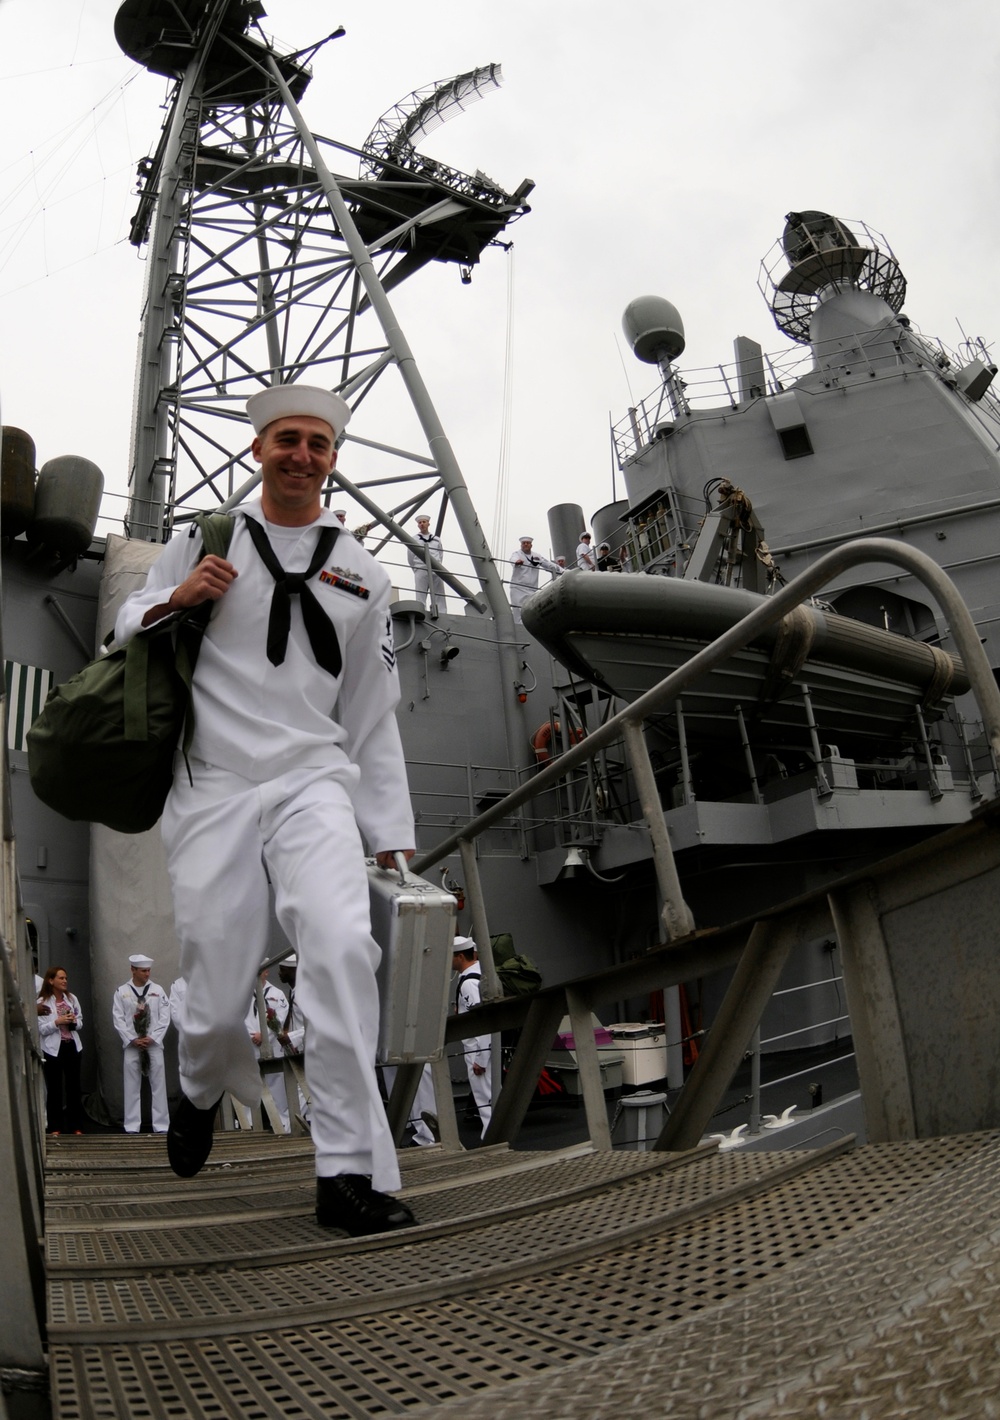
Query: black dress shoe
point(348, 1201)
point(189, 1138)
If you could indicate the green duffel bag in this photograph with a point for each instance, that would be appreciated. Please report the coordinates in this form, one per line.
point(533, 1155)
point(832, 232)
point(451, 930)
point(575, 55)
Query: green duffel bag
point(103, 746)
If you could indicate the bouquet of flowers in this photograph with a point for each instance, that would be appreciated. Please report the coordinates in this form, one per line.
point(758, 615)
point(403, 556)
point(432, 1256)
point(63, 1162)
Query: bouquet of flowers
point(140, 1024)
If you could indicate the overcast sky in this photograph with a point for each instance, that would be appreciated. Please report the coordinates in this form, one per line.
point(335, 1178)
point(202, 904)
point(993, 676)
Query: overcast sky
point(667, 143)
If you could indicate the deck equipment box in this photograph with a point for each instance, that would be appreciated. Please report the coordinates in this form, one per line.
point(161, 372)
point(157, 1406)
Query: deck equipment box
point(644, 1048)
point(413, 922)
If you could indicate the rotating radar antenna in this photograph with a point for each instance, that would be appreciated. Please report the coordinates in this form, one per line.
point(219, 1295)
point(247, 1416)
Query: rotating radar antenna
point(819, 256)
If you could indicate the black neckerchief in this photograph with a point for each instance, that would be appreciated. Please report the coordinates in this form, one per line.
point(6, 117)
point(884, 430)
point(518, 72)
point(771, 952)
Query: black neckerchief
point(319, 627)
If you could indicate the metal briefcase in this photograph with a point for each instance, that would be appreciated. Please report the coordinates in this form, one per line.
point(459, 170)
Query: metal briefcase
point(414, 923)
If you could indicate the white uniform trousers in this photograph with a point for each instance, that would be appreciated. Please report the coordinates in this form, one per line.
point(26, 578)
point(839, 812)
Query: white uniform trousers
point(225, 836)
point(482, 1090)
point(132, 1064)
point(276, 1084)
point(519, 594)
point(424, 582)
point(424, 1102)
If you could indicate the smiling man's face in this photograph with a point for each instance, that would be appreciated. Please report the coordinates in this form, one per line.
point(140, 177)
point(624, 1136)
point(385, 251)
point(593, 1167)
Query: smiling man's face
point(296, 455)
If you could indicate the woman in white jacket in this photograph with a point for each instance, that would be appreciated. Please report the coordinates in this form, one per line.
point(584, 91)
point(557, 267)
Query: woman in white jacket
point(59, 1029)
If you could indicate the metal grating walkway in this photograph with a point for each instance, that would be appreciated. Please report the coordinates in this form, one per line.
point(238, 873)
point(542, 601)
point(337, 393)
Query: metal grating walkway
point(840, 1282)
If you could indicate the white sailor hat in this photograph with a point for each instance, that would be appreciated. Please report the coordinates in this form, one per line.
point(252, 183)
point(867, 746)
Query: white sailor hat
point(586, 535)
point(422, 518)
point(464, 944)
point(138, 959)
point(288, 401)
point(290, 960)
point(526, 537)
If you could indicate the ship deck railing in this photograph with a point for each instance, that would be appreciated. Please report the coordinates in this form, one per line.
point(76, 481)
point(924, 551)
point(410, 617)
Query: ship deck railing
point(722, 388)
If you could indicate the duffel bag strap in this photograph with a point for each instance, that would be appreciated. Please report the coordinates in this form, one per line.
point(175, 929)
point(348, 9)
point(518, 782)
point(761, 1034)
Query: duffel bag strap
point(216, 534)
point(136, 671)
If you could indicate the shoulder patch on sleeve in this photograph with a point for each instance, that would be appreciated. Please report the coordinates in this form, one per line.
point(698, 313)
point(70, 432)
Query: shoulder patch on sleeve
point(387, 645)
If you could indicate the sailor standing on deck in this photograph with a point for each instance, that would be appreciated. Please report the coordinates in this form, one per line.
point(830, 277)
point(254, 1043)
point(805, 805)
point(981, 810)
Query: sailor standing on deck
point(524, 578)
point(295, 749)
point(478, 1056)
point(425, 581)
point(585, 559)
point(140, 1011)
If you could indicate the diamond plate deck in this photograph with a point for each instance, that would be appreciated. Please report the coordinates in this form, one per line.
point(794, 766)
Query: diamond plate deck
point(840, 1282)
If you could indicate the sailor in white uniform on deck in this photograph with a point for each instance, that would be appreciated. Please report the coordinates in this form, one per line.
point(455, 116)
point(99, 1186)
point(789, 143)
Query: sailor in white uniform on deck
point(140, 1011)
point(477, 1048)
point(524, 578)
point(295, 750)
point(585, 559)
point(424, 581)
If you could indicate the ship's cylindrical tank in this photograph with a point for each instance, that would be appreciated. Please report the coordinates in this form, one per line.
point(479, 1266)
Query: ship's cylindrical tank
point(608, 526)
point(17, 481)
point(565, 526)
point(67, 502)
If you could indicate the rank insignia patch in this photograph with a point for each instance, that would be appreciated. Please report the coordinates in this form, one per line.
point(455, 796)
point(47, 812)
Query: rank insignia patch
point(387, 645)
point(346, 581)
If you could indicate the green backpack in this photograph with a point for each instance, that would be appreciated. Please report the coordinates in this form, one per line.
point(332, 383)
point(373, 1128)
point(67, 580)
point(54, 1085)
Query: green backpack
point(518, 974)
point(103, 746)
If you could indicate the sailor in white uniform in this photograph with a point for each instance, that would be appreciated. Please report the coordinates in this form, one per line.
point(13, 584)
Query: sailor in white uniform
point(295, 755)
point(140, 1011)
point(478, 1054)
point(524, 578)
point(423, 580)
point(585, 558)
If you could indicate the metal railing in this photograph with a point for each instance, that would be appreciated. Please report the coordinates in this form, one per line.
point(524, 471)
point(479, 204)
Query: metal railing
point(757, 948)
point(713, 391)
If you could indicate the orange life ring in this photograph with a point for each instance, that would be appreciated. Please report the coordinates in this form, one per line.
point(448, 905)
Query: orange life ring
point(541, 740)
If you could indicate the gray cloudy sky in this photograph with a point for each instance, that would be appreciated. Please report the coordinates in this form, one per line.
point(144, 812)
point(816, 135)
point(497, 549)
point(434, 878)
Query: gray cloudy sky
point(667, 143)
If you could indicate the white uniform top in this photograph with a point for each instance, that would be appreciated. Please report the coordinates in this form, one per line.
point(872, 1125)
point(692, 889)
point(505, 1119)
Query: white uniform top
point(526, 565)
point(468, 994)
point(585, 558)
point(125, 1003)
point(260, 720)
point(296, 1027)
point(274, 1000)
point(432, 543)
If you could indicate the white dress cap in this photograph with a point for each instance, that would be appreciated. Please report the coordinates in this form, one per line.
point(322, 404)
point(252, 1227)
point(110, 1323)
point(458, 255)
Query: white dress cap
point(139, 960)
point(526, 538)
point(288, 401)
point(464, 944)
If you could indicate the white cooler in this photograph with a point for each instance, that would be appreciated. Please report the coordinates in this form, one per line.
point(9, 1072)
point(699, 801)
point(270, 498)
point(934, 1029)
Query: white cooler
point(644, 1050)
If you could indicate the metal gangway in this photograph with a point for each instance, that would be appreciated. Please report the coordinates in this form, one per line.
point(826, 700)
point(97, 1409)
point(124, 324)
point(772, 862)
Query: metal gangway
point(685, 1280)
